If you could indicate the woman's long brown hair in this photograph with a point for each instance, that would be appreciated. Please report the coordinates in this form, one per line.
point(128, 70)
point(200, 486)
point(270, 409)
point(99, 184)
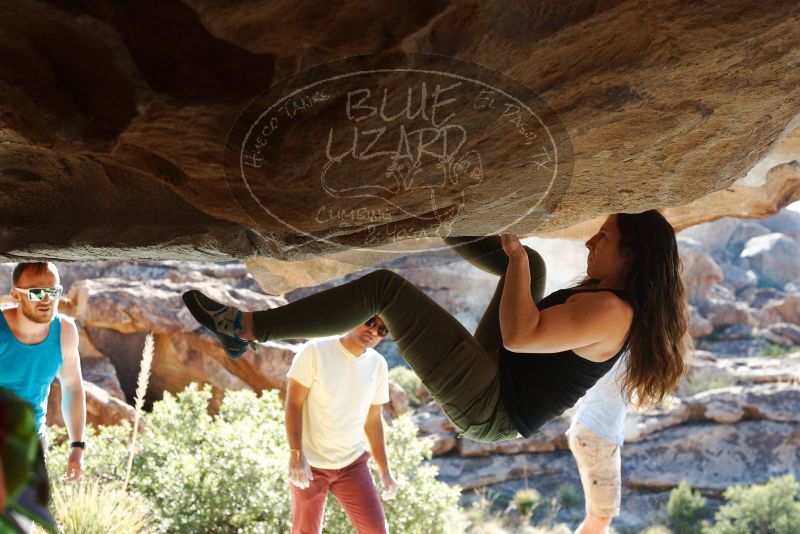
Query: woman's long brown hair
point(658, 340)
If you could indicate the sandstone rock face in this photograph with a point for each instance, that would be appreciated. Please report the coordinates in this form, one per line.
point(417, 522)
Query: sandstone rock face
point(699, 325)
point(723, 313)
point(97, 368)
point(737, 277)
point(471, 473)
point(713, 457)
point(121, 147)
point(129, 306)
point(775, 255)
point(549, 438)
point(786, 222)
point(101, 407)
point(700, 271)
point(745, 231)
point(785, 310)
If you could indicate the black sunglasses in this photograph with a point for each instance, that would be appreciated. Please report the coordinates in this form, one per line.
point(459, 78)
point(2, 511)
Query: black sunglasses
point(382, 330)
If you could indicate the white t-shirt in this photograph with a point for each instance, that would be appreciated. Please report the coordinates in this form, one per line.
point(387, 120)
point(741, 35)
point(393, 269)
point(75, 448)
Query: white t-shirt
point(342, 387)
point(603, 409)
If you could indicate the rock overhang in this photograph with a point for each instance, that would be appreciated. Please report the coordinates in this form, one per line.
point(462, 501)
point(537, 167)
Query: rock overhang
point(122, 157)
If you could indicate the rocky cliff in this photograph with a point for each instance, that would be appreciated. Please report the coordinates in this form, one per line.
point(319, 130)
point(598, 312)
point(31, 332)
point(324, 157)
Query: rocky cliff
point(114, 118)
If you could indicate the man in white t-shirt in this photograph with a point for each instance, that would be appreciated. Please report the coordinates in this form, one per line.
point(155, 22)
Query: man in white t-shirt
point(335, 391)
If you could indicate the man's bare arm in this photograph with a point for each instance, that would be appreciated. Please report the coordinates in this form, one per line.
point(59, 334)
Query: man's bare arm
point(373, 428)
point(299, 470)
point(73, 397)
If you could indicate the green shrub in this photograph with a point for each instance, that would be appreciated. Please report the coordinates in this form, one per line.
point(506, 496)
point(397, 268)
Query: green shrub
point(775, 351)
point(696, 383)
point(768, 282)
point(686, 509)
point(769, 508)
point(570, 495)
point(409, 381)
point(91, 507)
point(656, 529)
point(227, 473)
point(526, 501)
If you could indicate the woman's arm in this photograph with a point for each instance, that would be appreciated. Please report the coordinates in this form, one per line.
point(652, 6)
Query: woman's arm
point(518, 311)
point(594, 318)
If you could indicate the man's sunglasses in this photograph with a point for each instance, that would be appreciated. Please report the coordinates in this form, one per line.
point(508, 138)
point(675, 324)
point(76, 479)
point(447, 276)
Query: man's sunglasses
point(382, 330)
point(35, 294)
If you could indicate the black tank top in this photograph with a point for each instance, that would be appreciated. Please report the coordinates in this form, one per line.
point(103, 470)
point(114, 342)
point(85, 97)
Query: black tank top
point(539, 387)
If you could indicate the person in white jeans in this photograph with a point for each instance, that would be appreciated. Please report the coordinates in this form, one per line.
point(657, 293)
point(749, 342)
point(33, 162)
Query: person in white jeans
point(595, 438)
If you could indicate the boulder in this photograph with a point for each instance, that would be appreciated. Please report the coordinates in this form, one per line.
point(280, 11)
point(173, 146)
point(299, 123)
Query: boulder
point(550, 437)
point(430, 419)
point(721, 292)
point(477, 472)
point(101, 407)
point(181, 359)
point(778, 402)
point(101, 372)
point(699, 326)
point(737, 331)
point(789, 332)
point(735, 348)
point(444, 443)
point(133, 306)
point(774, 402)
point(763, 370)
point(97, 367)
point(432, 423)
point(774, 257)
point(786, 310)
point(651, 122)
point(398, 402)
point(723, 313)
point(738, 278)
point(745, 231)
point(700, 271)
point(712, 457)
point(759, 297)
point(711, 236)
point(786, 222)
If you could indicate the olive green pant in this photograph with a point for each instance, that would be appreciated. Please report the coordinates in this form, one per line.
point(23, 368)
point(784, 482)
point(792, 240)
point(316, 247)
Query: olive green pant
point(459, 370)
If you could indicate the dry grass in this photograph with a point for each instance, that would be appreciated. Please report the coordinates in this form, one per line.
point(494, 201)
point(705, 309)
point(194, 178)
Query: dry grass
point(141, 391)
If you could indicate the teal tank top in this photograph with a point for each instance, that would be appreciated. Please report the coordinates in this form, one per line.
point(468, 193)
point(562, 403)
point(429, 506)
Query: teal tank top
point(28, 370)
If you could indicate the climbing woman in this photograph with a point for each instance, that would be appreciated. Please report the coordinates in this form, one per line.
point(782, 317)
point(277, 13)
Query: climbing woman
point(530, 358)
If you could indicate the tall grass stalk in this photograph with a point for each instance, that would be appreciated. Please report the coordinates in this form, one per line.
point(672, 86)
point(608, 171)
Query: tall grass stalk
point(141, 391)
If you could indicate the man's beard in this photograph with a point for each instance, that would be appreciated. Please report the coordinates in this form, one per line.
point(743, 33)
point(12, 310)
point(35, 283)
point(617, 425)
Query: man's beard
point(36, 316)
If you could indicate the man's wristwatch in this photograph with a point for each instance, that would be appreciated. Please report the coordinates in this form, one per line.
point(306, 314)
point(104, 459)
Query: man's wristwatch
point(81, 444)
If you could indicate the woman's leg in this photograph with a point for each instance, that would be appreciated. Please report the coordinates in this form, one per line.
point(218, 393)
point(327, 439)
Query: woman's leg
point(487, 254)
point(452, 365)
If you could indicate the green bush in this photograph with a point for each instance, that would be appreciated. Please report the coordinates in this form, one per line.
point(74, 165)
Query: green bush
point(227, 473)
point(92, 507)
point(696, 383)
point(775, 351)
point(768, 282)
point(409, 381)
point(769, 508)
point(570, 495)
point(526, 501)
point(656, 529)
point(686, 509)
